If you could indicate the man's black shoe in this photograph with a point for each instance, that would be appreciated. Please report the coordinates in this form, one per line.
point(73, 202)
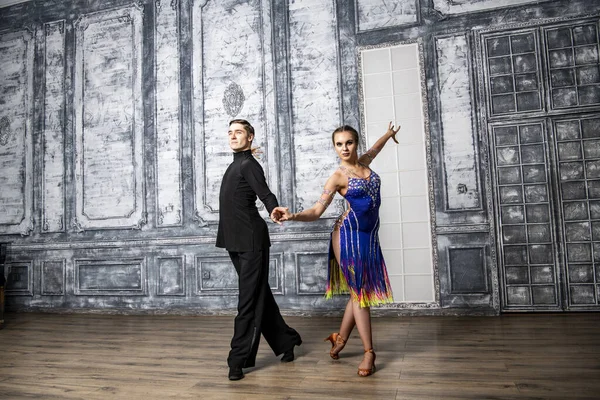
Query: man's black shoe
point(288, 356)
point(235, 373)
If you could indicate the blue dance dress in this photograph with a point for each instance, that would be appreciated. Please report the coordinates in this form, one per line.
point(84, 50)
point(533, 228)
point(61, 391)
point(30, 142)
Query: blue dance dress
point(361, 271)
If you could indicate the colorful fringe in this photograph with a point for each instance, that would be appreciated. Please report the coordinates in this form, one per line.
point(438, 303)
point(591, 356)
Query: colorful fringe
point(369, 287)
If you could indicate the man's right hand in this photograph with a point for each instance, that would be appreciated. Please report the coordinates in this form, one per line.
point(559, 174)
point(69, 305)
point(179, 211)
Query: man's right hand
point(280, 214)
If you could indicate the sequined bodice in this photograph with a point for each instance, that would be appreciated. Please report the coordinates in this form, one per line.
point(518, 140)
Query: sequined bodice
point(363, 194)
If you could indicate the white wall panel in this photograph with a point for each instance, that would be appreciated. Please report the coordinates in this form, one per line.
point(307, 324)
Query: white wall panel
point(470, 6)
point(460, 159)
point(315, 96)
point(53, 182)
point(109, 126)
point(377, 14)
point(16, 135)
point(167, 113)
point(232, 78)
point(405, 232)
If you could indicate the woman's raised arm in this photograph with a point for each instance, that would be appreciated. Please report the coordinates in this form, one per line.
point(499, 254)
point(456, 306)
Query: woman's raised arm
point(370, 154)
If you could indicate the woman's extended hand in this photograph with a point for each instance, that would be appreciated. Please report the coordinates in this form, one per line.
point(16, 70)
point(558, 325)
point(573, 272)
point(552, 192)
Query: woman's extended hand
point(280, 214)
point(392, 133)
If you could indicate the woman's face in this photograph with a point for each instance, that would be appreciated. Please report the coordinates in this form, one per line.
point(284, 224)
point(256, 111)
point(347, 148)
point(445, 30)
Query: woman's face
point(345, 145)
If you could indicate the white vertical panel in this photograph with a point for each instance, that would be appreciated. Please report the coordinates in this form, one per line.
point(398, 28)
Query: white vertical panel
point(405, 232)
point(109, 125)
point(233, 77)
point(469, 6)
point(16, 136)
point(53, 201)
point(168, 137)
point(377, 14)
point(315, 95)
point(461, 184)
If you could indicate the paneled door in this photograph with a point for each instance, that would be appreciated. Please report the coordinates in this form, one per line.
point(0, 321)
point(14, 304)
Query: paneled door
point(526, 227)
point(541, 88)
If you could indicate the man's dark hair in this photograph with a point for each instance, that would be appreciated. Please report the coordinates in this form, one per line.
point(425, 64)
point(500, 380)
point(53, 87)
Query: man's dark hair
point(247, 127)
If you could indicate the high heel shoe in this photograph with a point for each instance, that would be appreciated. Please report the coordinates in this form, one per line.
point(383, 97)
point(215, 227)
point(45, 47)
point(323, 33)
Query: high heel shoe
point(337, 344)
point(368, 371)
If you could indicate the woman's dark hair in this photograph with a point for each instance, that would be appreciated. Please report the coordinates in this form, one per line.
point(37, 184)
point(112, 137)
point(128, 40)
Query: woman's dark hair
point(346, 128)
point(247, 127)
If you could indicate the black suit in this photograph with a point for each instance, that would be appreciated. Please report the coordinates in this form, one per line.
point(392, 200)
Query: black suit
point(245, 235)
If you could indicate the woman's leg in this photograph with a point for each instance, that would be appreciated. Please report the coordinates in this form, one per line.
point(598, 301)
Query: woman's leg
point(363, 324)
point(348, 319)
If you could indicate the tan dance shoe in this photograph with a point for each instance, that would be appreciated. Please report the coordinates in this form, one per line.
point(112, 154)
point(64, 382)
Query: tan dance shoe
point(368, 371)
point(337, 344)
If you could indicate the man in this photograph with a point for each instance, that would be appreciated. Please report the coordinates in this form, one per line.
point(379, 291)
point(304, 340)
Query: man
point(245, 235)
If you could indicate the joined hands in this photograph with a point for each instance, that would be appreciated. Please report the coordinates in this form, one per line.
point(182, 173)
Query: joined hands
point(280, 214)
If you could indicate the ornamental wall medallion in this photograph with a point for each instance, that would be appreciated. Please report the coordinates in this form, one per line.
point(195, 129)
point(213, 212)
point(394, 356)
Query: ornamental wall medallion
point(233, 99)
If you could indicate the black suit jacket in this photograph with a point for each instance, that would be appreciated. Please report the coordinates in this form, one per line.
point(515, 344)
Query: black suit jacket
point(241, 228)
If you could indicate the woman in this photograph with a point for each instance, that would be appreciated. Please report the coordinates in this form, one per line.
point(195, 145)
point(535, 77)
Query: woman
point(356, 265)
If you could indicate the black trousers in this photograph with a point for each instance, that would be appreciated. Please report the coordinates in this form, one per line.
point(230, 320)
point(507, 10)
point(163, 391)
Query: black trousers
point(257, 312)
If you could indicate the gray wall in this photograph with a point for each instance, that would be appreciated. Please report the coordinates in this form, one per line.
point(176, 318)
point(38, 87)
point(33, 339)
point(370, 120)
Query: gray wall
point(112, 144)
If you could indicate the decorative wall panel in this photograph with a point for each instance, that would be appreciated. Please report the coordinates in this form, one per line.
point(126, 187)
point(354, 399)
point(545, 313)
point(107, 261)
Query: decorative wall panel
point(468, 272)
point(460, 155)
point(53, 277)
point(314, 75)
point(573, 65)
point(16, 134)
point(376, 14)
point(110, 277)
point(109, 126)
point(578, 159)
point(513, 80)
point(168, 136)
point(217, 276)
point(526, 225)
point(171, 276)
point(470, 6)
point(19, 280)
point(311, 273)
point(53, 196)
point(276, 282)
point(232, 78)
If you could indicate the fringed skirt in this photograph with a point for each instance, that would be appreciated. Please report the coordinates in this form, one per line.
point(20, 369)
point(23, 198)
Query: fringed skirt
point(361, 271)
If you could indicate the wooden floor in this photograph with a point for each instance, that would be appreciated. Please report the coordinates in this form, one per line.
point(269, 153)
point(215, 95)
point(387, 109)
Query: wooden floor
point(75, 356)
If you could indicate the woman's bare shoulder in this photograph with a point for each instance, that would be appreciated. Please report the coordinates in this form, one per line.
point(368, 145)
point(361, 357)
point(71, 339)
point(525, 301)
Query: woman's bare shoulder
point(337, 177)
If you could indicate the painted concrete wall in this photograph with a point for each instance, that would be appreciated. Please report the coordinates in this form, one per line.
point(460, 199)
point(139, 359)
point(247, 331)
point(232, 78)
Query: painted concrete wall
point(112, 143)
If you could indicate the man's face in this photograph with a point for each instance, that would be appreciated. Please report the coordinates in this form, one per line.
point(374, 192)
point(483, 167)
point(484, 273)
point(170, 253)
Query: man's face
point(239, 139)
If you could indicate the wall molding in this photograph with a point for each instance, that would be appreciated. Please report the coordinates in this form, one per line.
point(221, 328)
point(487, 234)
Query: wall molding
point(472, 6)
point(182, 275)
point(7, 3)
point(156, 242)
point(131, 267)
